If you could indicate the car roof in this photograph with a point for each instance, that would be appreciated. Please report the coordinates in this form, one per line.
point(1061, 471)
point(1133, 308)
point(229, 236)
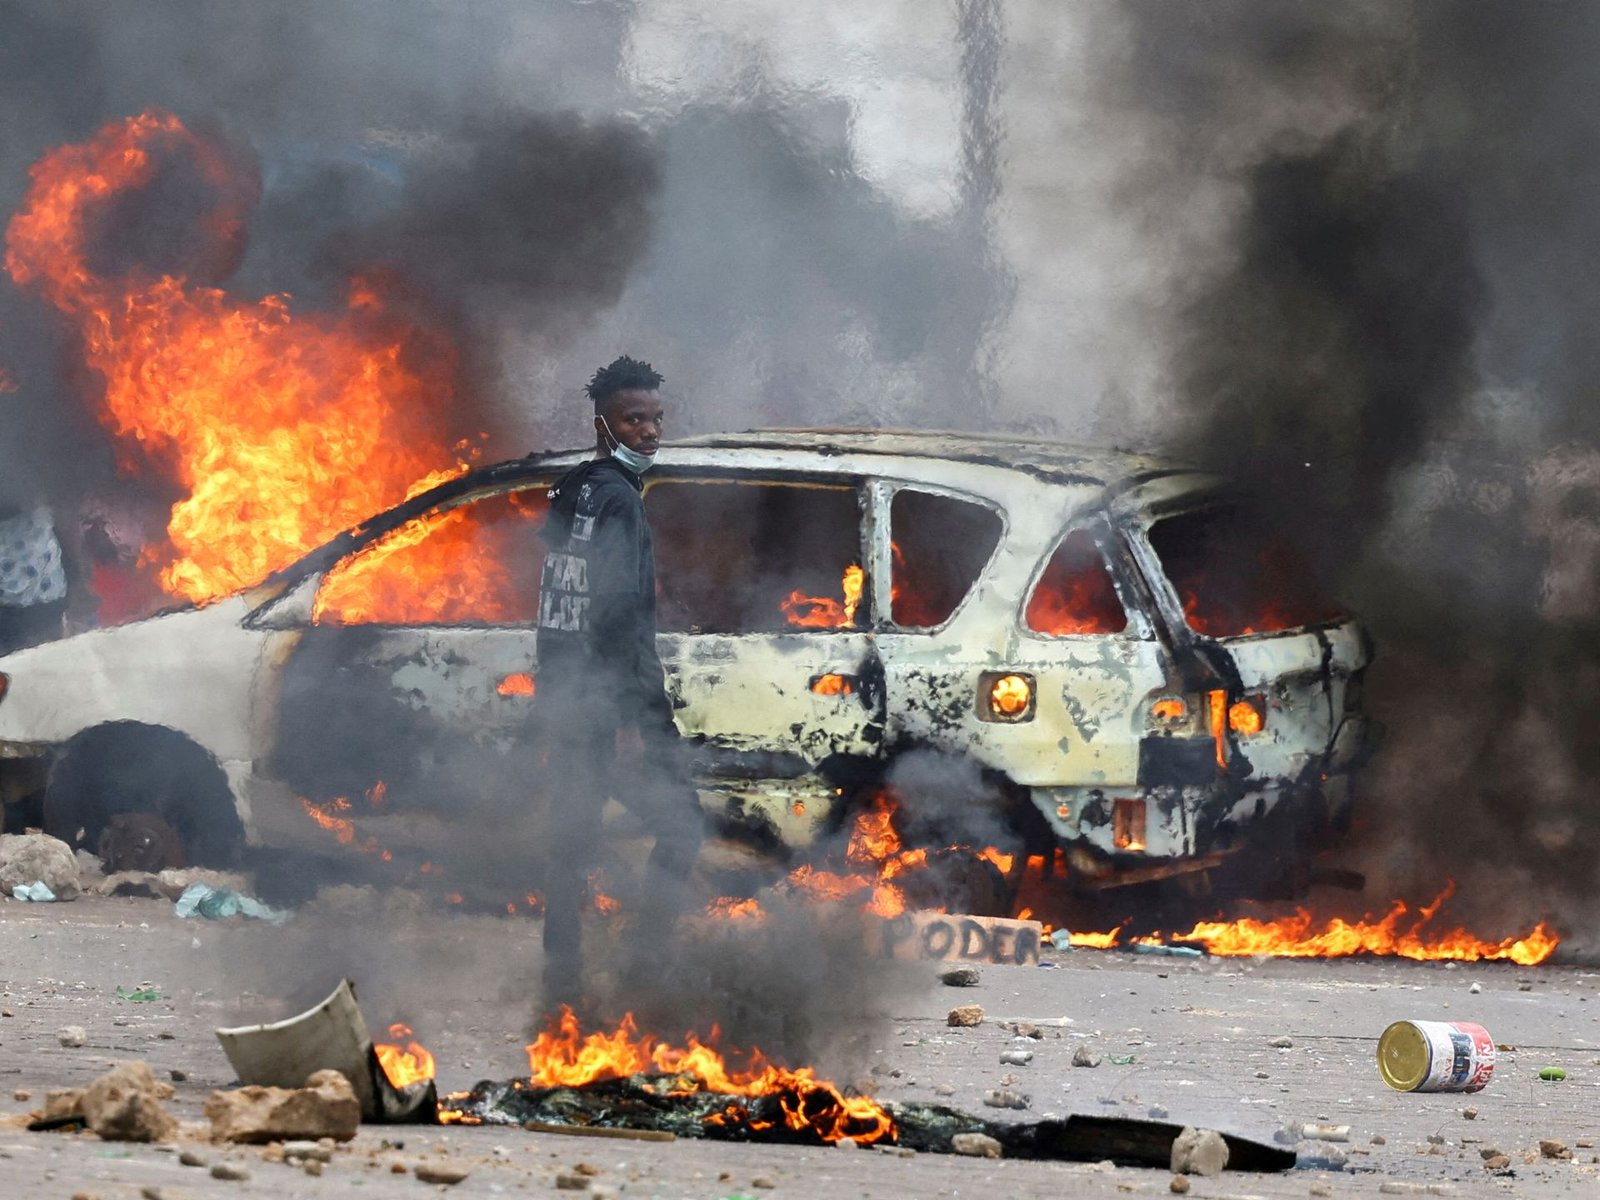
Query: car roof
point(1124, 475)
point(1064, 461)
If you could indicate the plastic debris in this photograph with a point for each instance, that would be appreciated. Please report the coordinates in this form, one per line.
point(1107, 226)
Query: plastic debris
point(1552, 1074)
point(1120, 1060)
point(214, 903)
point(138, 994)
point(37, 891)
point(1061, 939)
point(1166, 951)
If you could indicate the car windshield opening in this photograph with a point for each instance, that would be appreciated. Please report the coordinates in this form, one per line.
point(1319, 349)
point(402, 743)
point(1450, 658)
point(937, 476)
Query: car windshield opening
point(1235, 575)
point(475, 564)
point(939, 546)
point(1075, 594)
point(756, 557)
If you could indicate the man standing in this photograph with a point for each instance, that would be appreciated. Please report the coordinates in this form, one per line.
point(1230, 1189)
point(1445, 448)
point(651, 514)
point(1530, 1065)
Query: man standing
point(602, 708)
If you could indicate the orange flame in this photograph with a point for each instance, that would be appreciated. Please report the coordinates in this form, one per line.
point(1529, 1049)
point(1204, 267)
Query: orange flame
point(520, 684)
point(563, 1056)
point(404, 1065)
point(1300, 936)
point(823, 612)
point(281, 428)
point(733, 908)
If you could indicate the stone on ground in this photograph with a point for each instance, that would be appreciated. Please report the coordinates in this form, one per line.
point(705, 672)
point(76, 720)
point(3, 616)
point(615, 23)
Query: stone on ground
point(325, 1107)
point(124, 1105)
point(1199, 1152)
point(38, 858)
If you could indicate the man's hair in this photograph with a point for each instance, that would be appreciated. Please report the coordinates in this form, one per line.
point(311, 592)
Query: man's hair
point(621, 375)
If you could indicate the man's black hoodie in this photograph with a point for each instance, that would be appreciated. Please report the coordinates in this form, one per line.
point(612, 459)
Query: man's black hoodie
point(597, 600)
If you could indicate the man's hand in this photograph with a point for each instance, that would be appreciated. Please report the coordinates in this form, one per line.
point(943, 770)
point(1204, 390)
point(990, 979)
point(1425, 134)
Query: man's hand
point(630, 746)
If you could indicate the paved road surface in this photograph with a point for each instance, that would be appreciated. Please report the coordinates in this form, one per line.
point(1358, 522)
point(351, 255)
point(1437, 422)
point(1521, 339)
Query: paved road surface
point(1198, 1031)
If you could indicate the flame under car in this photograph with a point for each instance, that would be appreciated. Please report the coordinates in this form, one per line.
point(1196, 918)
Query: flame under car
point(1141, 676)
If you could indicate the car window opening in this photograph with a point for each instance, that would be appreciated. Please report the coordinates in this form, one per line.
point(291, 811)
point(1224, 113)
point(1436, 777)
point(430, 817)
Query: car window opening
point(1236, 576)
point(756, 557)
point(939, 546)
point(1075, 594)
point(478, 563)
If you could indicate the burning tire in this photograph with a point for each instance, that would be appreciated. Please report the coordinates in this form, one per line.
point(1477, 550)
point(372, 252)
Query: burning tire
point(129, 768)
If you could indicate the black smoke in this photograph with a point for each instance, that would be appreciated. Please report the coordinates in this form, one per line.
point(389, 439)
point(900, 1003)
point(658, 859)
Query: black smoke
point(1394, 352)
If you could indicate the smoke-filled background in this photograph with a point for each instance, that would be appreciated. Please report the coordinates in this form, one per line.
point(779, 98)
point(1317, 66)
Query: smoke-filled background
point(1344, 253)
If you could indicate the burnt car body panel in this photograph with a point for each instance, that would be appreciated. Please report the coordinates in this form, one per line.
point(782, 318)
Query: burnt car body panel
point(296, 708)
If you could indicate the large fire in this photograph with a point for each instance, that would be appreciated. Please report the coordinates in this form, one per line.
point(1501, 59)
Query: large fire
point(564, 1056)
point(279, 427)
point(881, 868)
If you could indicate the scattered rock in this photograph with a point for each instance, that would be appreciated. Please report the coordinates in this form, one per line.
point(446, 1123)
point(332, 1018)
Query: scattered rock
point(190, 1159)
point(1199, 1152)
point(1281, 1043)
point(847, 1143)
point(1497, 1162)
point(975, 1145)
point(62, 1102)
point(761, 1181)
point(1379, 1140)
point(397, 1168)
point(312, 1166)
point(1085, 1057)
point(1487, 1152)
point(1436, 1139)
point(965, 1015)
point(1476, 988)
point(177, 1075)
point(1006, 1099)
point(1024, 1029)
point(1321, 1189)
point(1553, 1148)
point(22, 1094)
point(433, 1172)
point(306, 1149)
point(1262, 1075)
point(71, 1036)
point(566, 1182)
point(1471, 1114)
point(943, 1089)
point(1396, 1187)
point(325, 1107)
point(230, 1171)
point(1179, 1185)
point(151, 1192)
point(1158, 1112)
point(960, 977)
point(38, 858)
point(1016, 1058)
point(123, 1105)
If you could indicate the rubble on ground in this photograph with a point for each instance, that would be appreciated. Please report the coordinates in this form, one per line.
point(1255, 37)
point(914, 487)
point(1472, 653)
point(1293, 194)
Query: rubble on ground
point(29, 858)
point(326, 1107)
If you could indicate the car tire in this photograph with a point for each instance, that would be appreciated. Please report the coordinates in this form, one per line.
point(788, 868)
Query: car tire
point(129, 767)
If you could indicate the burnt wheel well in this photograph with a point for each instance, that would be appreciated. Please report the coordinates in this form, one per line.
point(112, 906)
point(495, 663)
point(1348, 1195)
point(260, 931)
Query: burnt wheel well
point(131, 767)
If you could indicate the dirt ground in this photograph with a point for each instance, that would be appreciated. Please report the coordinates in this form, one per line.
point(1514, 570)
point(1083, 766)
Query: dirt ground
point(1198, 1032)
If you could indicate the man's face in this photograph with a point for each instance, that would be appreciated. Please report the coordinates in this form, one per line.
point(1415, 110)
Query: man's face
point(634, 416)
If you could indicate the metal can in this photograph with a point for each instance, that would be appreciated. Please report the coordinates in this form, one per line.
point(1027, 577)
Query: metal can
point(1436, 1056)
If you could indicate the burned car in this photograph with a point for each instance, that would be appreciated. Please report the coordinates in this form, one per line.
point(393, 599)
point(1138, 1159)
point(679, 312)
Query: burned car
point(1139, 673)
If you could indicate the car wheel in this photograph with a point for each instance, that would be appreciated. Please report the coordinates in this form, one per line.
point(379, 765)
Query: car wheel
point(125, 768)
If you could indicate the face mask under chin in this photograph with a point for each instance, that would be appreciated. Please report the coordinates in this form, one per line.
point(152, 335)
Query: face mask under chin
point(632, 459)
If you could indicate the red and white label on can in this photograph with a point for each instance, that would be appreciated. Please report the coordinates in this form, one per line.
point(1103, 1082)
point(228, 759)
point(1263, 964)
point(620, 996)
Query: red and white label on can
point(1461, 1057)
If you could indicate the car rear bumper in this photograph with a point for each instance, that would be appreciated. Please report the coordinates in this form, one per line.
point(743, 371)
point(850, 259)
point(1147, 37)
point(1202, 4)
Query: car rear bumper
point(1133, 829)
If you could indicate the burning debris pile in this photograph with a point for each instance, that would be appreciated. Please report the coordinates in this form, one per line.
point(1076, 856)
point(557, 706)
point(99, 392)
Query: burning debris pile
point(625, 1080)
